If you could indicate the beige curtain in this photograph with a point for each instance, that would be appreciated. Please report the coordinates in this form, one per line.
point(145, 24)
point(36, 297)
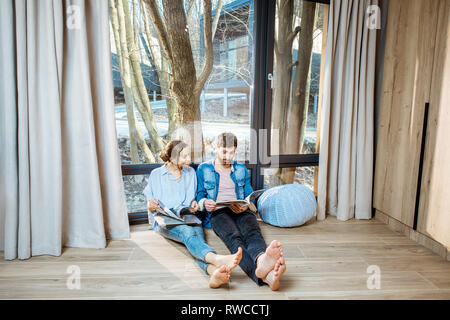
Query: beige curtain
point(60, 179)
point(347, 115)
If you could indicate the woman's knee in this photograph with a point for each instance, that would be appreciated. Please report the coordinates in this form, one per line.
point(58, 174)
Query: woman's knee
point(190, 232)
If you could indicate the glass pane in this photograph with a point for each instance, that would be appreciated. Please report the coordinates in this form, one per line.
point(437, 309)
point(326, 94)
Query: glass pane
point(300, 175)
point(296, 76)
point(147, 106)
point(227, 96)
point(134, 186)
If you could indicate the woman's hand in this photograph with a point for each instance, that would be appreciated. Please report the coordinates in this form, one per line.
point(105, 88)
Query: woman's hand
point(237, 208)
point(153, 204)
point(194, 206)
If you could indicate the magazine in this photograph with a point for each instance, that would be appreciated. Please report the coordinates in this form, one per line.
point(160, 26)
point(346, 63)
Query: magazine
point(246, 202)
point(168, 218)
point(164, 210)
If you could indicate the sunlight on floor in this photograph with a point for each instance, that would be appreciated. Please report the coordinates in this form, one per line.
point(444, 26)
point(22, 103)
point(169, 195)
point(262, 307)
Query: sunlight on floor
point(166, 253)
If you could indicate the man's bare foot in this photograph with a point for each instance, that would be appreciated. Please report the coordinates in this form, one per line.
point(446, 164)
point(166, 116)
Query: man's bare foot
point(268, 259)
point(273, 277)
point(231, 261)
point(219, 276)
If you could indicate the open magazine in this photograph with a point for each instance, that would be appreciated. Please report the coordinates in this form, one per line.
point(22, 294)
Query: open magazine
point(246, 202)
point(167, 218)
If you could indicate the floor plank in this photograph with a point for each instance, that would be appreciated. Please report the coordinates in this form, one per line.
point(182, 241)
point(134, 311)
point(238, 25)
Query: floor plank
point(325, 260)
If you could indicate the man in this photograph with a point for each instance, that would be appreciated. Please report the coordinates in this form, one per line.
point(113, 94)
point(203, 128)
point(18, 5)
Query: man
point(224, 179)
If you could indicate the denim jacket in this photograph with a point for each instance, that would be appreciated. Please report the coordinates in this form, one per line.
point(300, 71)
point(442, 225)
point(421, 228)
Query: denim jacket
point(208, 184)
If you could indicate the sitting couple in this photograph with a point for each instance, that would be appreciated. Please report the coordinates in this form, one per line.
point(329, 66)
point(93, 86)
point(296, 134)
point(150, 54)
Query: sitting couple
point(178, 186)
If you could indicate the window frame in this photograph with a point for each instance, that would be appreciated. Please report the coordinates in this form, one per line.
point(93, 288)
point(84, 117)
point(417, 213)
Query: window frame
point(261, 112)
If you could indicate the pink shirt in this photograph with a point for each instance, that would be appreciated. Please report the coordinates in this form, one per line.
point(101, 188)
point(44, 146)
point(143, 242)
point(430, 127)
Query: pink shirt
point(226, 187)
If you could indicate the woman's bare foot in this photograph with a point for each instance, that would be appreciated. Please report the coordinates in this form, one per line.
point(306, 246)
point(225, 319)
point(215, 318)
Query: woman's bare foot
point(273, 277)
point(231, 261)
point(219, 276)
point(268, 259)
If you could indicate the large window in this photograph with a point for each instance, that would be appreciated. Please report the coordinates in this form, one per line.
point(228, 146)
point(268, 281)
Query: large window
point(301, 175)
point(147, 117)
point(167, 82)
point(294, 65)
point(296, 76)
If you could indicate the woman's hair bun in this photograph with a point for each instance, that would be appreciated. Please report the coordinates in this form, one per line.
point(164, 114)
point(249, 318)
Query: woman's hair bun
point(172, 150)
point(164, 156)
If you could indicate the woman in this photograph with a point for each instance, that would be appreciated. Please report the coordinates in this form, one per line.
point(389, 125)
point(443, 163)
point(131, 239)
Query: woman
point(175, 185)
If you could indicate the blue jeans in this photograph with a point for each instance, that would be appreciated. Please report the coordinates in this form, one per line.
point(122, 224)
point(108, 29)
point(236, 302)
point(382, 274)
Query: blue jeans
point(192, 237)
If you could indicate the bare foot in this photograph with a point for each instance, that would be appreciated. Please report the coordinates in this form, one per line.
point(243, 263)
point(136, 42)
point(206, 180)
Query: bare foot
point(273, 277)
point(231, 261)
point(267, 260)
point(219, 276)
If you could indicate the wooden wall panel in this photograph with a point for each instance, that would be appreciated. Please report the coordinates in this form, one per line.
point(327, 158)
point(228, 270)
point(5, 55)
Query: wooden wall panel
point(434, 210)
point(410, 38)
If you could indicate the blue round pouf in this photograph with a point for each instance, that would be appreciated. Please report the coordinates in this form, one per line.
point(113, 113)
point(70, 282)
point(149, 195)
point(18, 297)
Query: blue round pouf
point(289, 205)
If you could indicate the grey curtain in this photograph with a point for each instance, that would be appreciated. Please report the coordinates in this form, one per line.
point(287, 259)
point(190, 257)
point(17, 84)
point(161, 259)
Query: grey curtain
point(347, 114)
point(60, 179)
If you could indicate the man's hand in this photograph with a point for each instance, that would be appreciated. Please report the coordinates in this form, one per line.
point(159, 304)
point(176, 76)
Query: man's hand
point(210, 205)
point(194, 206)
point(153, 204)
point(237, 208)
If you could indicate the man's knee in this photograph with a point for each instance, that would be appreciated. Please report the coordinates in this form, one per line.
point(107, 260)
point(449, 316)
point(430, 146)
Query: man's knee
point(252, 232)
point(249, 227)
point(234, 236)
point(249, 222)
point(249, 218)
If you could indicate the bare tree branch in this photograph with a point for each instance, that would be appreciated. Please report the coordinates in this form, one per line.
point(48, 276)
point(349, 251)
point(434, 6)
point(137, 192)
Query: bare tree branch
point(244, 24)
point(209, 58)
point(149, 35)
point(190, 10)
point(162, 70)
point(135, 26)
point(159, 25)
point(217, 17)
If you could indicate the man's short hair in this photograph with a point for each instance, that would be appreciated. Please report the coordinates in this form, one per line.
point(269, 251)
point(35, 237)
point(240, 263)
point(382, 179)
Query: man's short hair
point(226, 140)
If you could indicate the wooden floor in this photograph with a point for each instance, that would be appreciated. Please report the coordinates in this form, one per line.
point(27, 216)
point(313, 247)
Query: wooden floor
point(325, 260)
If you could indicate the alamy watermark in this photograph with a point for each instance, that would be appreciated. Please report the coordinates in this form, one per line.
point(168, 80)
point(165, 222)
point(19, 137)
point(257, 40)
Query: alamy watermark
point(74, 17)
point(191, 134)
point(74, 280)
point(374, 280)
point(373, 17)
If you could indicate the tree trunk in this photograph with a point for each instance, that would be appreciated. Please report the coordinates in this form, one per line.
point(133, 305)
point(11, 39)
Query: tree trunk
point(183, 69)
point(143, 105)
point(298, 113)
point(172, 107)
point(282, 70)
point(186, 88)
point(135, 29)
point(163, 70)
point(136, 138)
